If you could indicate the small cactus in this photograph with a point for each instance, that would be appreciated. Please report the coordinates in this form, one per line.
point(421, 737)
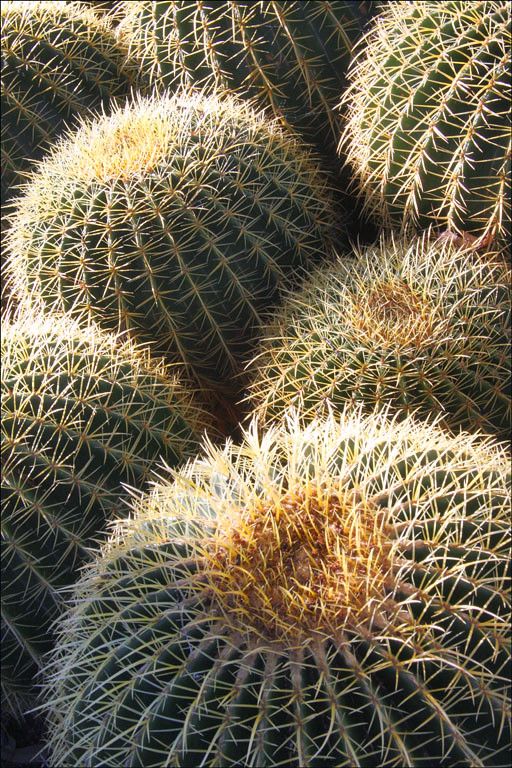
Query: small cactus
point(418, 325)
point(59, 61)
point(82, 415)
point(428, 128)
point(289, 57)
point(333, 595)
point(178, 219)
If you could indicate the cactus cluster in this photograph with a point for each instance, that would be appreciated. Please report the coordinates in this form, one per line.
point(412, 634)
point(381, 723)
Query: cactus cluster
point(289, 57)
point(328, 595)
point(428, 129)
point(59, 61)
point(419, 325)
point(179, 219)
point(83, 415)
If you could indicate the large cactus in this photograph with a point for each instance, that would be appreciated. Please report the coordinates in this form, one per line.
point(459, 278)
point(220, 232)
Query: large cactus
point(416, 324)
point(428, 131)
point(59, 61)
point(327, 596)
point(82, 415)
point(290, 57)
point(177, 218)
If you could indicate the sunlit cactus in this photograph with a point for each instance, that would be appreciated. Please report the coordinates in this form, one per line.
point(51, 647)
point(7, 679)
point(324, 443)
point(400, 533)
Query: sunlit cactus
point(179, 219)
point(59, 61)
point(428, 131)
point(83, 414)
point(334, 595)
point(417, 325)
point(290, 57)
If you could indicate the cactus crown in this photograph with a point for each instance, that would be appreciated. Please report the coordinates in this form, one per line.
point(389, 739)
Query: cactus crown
point(328, 594)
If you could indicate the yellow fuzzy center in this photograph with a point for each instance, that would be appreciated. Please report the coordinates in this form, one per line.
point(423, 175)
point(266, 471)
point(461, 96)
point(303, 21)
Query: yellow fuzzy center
point(394, 314)
point(314, 562)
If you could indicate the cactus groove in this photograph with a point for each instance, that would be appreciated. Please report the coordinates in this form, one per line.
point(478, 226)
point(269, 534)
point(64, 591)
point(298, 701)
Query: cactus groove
point(333, 595)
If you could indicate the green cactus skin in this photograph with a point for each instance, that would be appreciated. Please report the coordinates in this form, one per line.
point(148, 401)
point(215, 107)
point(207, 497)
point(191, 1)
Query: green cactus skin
point(416, 324)
point(428, 129)
point(334, 595)
point(179, 219)
point(82, 414)
point(59, 61)
point(290, 57)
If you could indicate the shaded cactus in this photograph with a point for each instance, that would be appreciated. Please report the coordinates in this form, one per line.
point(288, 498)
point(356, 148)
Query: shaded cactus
point(416, 325)
point(325, 596)
point(428, 129)
point(290, 57)
point(178, 219)
point(59, 61)
point(82, 415)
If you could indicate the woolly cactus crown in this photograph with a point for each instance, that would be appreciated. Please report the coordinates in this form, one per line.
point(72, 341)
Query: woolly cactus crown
point(334, 594)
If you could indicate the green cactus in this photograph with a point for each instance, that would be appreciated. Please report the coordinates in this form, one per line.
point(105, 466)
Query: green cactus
point(333, 595)
point(289, 57)
point(414, 324)
point(177, 218)
point(59, 60)
point(428, 128)
point(82, 414)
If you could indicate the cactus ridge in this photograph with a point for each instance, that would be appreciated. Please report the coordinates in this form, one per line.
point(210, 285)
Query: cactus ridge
point(59, 61)
point(255, 611)
point(176, 218)
point(82, 414)
point(428, 129)
point(416, 324)
point(290, 57)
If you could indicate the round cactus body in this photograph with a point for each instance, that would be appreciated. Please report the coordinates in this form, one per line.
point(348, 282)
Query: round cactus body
point(82, 414)
point(59, 61)
point(428, 130)
point(415, 324)
point(178, 219)
point(290, 57)
point(333, 595)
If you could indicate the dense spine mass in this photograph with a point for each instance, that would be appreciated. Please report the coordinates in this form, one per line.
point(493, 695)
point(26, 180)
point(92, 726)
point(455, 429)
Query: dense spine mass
point(290, 57)
point(179, 219)
point(428, 130)
point(329, 596)
point(416, 324)
point(82, 415)
point(59, 61)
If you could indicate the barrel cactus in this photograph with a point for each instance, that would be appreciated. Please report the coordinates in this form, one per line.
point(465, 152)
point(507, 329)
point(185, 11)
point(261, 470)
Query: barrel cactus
point(329, 595)
point(415, 324)
point(59, 61)
point(428, 129)
point(290, 57)
point(176, 218)
point(83, 414)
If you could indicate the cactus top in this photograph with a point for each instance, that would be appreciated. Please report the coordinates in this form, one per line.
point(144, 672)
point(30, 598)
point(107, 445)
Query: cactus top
point(329, 595)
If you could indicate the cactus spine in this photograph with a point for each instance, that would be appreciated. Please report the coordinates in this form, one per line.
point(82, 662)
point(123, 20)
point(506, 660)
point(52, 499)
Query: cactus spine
point(82, 414)
point(59, 61)
point(428, 130)
point(413, 324)
point(290, 57)
point(178, 219)
point(331, 595)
